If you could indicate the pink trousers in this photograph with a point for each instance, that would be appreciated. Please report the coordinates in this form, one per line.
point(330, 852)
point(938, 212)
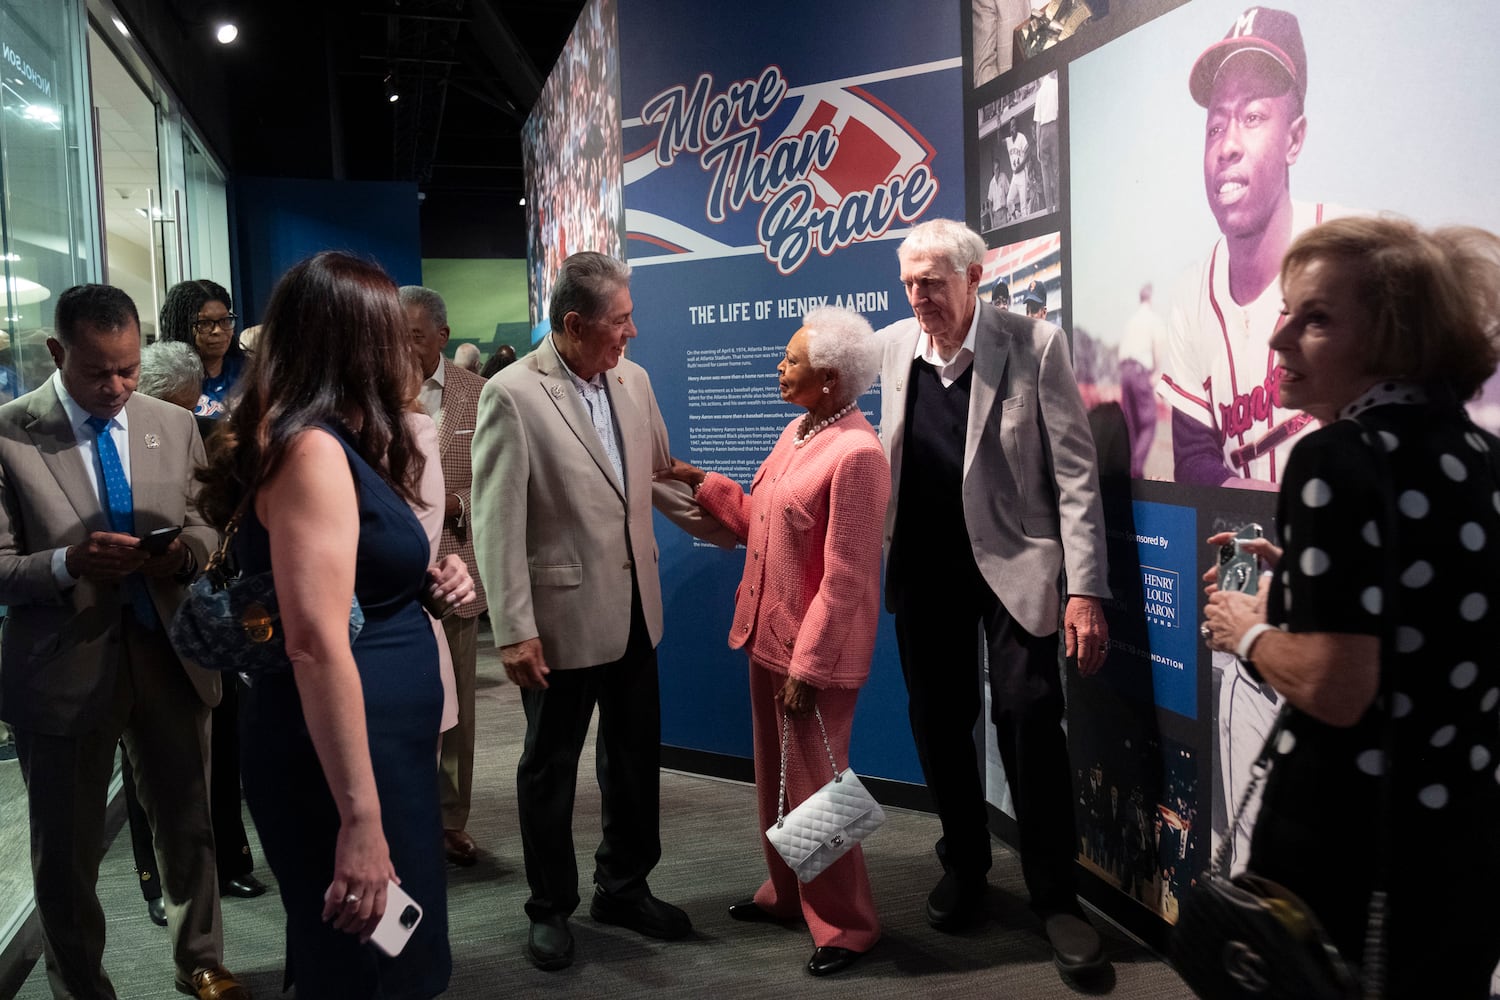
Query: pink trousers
point(837, 905)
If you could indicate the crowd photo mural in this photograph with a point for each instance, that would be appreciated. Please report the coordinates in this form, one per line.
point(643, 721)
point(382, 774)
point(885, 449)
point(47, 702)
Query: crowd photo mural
point(749, 174)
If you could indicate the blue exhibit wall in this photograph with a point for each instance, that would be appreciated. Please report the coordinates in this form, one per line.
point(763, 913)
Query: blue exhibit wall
point(739, 135)
point(280, 221)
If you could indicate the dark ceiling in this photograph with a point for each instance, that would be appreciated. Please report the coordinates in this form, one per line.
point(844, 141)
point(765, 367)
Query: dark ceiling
point(309, 86)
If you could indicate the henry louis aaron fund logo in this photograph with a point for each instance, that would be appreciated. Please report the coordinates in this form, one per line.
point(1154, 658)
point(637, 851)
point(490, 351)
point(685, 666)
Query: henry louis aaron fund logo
point(840, 168)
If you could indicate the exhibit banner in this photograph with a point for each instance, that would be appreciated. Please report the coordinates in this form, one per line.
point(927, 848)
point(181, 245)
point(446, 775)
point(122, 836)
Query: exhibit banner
point(764, 178)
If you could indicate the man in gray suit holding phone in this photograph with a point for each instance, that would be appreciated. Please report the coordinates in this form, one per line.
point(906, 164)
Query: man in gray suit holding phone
point(994, 498)
point(88, 471)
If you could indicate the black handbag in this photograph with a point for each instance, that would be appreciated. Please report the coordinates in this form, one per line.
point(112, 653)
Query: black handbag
point(1249, 937)
point(230, 621)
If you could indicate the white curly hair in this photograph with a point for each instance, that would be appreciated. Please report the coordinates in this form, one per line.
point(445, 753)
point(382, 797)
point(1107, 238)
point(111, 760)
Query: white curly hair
point(842, 341)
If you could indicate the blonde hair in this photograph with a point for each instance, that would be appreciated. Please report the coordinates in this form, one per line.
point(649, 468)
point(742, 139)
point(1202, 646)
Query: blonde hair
point(1434, 296)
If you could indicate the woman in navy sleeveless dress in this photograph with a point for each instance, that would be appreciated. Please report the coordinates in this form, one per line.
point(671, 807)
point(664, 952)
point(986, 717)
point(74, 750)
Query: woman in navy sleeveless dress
point(339, 751)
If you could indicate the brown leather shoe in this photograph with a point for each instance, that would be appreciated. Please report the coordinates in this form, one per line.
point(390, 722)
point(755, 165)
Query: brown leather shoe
point(217, 983)
point(460, 848)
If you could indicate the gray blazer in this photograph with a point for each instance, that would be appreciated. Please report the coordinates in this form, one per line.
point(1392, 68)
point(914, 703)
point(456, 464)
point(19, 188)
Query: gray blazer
point(60, 648)
point(1030, 489)
point(557, 536)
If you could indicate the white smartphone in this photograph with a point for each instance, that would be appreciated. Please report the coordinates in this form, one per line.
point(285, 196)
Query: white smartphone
point(402, 914)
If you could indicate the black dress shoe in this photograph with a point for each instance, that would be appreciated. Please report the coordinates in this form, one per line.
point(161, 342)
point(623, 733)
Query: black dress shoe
point(955, 902)
point(156, 909)
point(828, 960)
point(646, 915)
point(549, 944)
point(247, 886)
point(1077, 950)
point(752, 912)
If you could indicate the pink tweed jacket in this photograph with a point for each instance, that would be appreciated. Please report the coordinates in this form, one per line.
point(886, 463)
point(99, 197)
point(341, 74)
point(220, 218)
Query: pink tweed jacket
point(812, 525)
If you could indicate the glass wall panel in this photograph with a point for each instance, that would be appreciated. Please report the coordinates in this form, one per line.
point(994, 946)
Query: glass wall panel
point(207, 210)
point(48, 232)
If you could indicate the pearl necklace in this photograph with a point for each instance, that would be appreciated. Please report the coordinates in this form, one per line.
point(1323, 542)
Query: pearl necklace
point(802, 439)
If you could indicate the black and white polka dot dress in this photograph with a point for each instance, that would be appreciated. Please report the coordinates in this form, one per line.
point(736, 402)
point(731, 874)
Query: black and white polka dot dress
point(1316, 828)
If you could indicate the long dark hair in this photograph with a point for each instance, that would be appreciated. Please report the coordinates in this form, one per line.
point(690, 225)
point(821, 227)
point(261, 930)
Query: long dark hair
point(333, 349)
point(180, 309)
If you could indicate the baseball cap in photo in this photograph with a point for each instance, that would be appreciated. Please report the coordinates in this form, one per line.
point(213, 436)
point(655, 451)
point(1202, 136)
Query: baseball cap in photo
point(1263, 31)
point(1035, 297)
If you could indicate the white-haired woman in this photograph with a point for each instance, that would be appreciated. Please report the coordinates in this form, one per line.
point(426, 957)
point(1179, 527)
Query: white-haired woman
point(807, 608)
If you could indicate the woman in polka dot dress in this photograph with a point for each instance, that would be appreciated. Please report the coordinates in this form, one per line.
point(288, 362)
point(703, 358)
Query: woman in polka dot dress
point(1388, 330)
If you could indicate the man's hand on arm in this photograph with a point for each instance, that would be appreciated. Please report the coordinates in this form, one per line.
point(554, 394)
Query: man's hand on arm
point(524, 663)
point(1086, 635)
point(108, 555)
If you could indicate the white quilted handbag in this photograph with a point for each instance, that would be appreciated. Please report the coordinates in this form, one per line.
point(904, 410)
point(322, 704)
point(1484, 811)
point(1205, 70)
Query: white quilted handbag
point(828, 823)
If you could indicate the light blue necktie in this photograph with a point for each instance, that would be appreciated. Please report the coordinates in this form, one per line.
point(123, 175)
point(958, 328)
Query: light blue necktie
point(120, 505)
point(601, 415)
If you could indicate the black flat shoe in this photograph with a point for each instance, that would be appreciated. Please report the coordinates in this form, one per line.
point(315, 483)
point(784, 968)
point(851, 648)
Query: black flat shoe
point(751, 912)
point(156, 909)
point(549, 944)
point(955, 903)
point(247, 886)
point(1077, 950)
point(829, 960)
point(646, 915)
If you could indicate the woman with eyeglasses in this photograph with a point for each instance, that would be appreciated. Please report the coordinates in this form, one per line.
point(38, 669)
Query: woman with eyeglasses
point(200, 313)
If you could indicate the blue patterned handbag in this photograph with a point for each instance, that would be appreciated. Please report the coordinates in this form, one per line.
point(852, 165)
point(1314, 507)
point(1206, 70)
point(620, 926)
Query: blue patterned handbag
point(229, 621)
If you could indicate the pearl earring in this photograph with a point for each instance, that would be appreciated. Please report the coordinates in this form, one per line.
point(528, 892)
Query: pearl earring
point(826, 390)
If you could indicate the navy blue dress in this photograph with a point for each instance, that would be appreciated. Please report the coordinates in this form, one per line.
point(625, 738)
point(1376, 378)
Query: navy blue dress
point(284, 784)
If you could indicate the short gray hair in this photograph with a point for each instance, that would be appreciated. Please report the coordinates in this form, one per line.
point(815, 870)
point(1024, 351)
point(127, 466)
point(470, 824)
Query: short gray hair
point(842, 341)
point(945, 238)
point(430, 302)
point(467, 356)
point(169, 367)
point(585, 283)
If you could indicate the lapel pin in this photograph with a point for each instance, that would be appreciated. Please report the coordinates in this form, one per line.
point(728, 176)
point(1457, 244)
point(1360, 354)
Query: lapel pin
point(152, 441)
point(621, 379)
point(557, 392)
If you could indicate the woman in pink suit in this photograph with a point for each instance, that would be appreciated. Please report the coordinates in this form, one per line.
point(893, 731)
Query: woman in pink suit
point(807, 607)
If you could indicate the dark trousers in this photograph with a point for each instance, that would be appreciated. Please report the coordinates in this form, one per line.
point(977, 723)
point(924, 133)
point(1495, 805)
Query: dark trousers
point(165, 730)
point(231, 846)
point(627, 761)
point(938, 639)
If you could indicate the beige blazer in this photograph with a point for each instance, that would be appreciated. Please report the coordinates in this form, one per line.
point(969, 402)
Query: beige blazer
point(557, 535)
point(60, 648)
point(1031, 487)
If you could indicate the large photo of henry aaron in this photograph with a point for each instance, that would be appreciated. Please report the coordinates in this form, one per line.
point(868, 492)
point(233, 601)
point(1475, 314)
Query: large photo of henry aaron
point(1253, 124)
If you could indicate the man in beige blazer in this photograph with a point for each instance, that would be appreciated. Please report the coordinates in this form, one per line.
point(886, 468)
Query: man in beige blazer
point(565, 447)
point(994, 503)
point(84, 657)
point(450, 396)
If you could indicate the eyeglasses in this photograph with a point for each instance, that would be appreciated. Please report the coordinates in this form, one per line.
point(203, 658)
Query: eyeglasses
point(206, 326)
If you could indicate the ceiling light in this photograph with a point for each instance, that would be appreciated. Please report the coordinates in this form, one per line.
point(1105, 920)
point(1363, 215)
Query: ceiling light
point(227, 32)
point(41, 113)
point(120, 26)
point(391, 93)
point(523, 200)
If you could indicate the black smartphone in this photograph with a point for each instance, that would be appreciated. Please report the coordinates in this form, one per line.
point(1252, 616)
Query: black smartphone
point(1237, 568)
point(156, 542)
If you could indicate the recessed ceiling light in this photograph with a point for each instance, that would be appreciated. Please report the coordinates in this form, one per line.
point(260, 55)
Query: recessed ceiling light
point(523, 200)
point(226, 33)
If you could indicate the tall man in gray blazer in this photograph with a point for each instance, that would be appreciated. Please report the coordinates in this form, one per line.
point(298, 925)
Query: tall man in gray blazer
point(87, 469)
point(995, 501)
point(564, 450)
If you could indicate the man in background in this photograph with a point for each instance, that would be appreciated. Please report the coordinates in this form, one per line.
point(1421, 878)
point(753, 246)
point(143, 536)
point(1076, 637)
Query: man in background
point(467, 356)
point(1144, 331)
point(450, 395)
